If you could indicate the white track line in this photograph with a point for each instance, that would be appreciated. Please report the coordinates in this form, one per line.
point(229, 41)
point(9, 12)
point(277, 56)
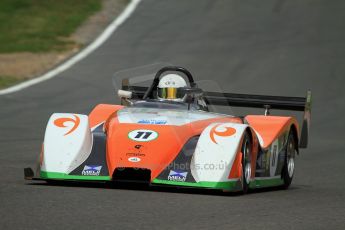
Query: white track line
point(82, 54)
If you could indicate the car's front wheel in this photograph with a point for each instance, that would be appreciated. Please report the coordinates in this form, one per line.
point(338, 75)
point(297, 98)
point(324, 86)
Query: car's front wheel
point(246, 162)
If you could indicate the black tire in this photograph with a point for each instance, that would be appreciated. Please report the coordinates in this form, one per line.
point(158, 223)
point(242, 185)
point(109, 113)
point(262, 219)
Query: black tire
point(246, 149)
point(289, 162)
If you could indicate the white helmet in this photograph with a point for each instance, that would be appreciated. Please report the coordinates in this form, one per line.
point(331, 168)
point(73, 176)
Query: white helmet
point(168, 88)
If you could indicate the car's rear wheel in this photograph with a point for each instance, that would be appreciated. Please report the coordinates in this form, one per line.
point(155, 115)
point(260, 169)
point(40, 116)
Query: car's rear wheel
point(289, 163)
point(246, 162)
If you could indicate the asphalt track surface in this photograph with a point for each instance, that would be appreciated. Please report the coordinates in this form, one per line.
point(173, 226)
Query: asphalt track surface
point(264, 47)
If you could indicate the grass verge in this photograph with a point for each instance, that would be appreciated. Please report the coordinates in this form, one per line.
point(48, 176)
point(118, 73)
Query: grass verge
point(41, 25)
point(6, 81)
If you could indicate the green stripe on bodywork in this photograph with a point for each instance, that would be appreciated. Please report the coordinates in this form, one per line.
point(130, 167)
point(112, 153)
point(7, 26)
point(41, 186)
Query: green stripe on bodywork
point(260, 183)
point(228, 185)
point(63, 176)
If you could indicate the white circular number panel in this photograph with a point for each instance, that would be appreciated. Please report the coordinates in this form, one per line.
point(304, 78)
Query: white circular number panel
point(142, 135)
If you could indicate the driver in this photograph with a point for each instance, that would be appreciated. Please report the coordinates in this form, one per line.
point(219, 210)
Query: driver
point(169, 88)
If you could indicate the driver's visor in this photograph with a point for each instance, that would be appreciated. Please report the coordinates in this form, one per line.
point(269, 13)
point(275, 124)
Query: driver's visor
point(170, 93)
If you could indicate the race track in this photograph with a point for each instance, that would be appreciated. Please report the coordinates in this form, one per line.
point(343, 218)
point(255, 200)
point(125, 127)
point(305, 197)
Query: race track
point(276, 47)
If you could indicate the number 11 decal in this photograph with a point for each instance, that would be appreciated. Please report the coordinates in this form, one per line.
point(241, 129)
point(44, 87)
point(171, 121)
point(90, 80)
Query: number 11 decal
point(142, 135)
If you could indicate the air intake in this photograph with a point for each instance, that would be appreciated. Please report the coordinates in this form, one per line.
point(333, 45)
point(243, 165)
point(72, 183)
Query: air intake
point(132, 175)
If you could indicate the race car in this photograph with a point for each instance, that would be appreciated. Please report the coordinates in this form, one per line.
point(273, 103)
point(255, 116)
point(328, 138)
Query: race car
point(165, 135)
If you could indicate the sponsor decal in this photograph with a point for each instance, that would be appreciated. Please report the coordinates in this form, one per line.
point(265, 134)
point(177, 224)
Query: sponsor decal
point(136, 151)
point(177, 176)
point(61, 123)
point(229, 131)
point(152, 122)
point(91, 170)
point(274, 157)
point(135, 154)
point(142, 135)
point(268, 157)
point(134, 159)
point(138, 146)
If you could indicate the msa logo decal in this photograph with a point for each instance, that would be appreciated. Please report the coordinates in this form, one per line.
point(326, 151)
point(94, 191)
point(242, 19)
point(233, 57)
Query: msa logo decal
point(142, 135)
point(152, 122)
point(61, 122)
point(134, 159)
point(91, 170)
point(228, 131)
point(177, 176)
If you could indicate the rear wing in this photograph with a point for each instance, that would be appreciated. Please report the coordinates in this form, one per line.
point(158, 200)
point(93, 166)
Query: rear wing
point(302, 104)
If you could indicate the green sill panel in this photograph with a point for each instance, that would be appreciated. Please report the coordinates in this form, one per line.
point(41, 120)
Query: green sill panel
point(261, 183)
point(228, 185)
point(202, 184)
point(63, 176)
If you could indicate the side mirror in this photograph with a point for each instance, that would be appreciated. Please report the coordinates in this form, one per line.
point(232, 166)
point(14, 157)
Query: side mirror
point(192, 93)
point(124, 94)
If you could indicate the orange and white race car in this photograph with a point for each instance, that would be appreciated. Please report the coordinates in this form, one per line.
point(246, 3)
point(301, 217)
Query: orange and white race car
point(164, 134)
